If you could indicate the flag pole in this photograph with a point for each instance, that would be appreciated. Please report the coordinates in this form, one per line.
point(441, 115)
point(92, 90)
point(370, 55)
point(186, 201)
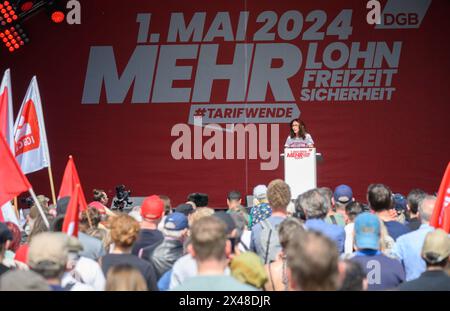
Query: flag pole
point(52, 184)
point(41, 211)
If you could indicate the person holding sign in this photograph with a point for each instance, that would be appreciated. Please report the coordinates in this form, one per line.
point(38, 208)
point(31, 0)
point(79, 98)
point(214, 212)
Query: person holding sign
point(298, 137)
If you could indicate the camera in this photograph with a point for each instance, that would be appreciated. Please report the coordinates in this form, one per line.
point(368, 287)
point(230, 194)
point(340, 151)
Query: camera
point(122, 199)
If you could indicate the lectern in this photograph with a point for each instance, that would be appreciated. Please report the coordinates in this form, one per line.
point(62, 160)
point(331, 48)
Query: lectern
point(300, 170)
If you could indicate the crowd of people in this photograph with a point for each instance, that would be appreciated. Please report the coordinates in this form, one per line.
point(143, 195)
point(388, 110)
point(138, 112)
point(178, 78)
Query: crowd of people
point(322, 240)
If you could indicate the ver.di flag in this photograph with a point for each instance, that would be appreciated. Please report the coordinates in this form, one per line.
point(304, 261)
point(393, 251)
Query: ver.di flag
point(31, 148)
point(7, 212)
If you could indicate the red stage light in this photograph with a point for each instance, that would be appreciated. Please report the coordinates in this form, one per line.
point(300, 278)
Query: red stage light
point(11, 49)
point(26, 6)
point(6, 3)
point(58, 17)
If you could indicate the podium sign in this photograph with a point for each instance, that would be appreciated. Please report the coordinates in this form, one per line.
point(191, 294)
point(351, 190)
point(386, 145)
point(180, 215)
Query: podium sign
point(300, 170)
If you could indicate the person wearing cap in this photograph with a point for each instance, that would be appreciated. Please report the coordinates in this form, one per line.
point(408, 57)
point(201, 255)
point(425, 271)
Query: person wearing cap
point(261, 209)
point(341, 197)
point(171, 249)
point(381, 202)
point(408, 247)
point(48, 256)
point(72, 280)
point(5, 238)
point(400, 207)
point(211, 249)
point(152, 211)
point(382, 272)
point(435, 252)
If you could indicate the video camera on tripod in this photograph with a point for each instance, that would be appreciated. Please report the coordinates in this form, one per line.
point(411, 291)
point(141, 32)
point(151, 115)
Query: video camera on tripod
point(122, 199)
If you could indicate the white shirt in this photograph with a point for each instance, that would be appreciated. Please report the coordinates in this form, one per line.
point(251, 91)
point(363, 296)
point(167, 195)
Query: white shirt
point(348, 245)
point(299, 142)
point(91, 273)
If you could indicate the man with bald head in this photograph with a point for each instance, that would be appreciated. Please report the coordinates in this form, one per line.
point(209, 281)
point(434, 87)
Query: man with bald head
point(409, 246)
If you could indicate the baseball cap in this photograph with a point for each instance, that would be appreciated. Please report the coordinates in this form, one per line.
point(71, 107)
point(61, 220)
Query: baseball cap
point(5, 233)
point(248, 268)
point(176, 221)
point(50, 247)
point(343, 194)
point(367, 231)
point(400, 202)
point(23, 280)
point(436, 246)
point(185, 209)
point(260, 192)
point(152, 208)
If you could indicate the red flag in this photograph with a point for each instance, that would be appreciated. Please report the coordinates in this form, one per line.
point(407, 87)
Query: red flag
point(70, 225)
point(441, 213)
point(12, 180)
point(70, 180)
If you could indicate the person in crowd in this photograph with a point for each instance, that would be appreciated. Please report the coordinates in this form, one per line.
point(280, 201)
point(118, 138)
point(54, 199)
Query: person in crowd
point(152, 211)
point(35, 224)
point(264, 238)
point(299, 212)
point(243, 235)
point(89, 223)
point(381, 201)
point(71, 279)
point(211, 248)
point(167, 204)
point(12, 247)
point(342, 196)
point(248, 269)
point(312, 260)
point(316, 208)
point(408, 247)
point(332, 216)
point(352, 210)
point(412, 204)
point(100, 200)
point(167, 210)
point(23, 280)
point(354, 277)
point(171, 249)
point(5, 238)
point(125, 277)
point(124, 232)
point(48, 256)
point(298, 136)
point(261, 209)
point(435, 252)
point(234, 202)
point(277, 270)
point(400, 207)
point(382, 272)
point(186, 266)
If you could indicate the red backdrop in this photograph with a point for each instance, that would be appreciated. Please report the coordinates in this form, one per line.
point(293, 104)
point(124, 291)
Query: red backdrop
point(402, 142)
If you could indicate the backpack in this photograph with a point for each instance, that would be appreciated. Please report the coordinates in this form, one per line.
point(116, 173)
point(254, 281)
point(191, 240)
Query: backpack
point(270, 242)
